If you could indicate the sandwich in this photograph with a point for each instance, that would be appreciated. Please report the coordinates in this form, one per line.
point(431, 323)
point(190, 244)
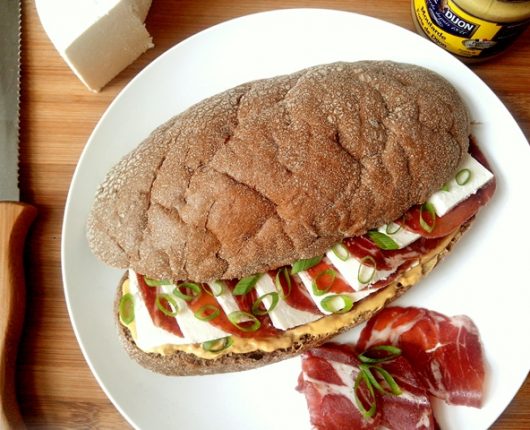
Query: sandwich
point(266, 219)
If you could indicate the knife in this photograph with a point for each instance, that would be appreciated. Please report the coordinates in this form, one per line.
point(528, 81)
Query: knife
point(15, 217)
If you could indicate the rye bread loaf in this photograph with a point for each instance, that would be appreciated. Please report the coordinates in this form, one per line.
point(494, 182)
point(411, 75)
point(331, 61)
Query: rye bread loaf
point(279, 169)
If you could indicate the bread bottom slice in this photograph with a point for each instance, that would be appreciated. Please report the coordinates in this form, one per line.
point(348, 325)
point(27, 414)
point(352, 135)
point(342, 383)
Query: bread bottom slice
point(248, 354)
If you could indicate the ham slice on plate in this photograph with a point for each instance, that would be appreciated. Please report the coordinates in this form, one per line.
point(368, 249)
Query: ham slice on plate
point(445, 351)
point(328, 380)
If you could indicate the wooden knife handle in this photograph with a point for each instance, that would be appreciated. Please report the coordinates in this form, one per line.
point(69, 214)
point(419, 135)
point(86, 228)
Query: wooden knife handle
point(15, 220)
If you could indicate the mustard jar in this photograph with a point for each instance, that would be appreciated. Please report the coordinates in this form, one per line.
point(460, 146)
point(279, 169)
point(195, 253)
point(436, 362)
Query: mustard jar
point(472, 30)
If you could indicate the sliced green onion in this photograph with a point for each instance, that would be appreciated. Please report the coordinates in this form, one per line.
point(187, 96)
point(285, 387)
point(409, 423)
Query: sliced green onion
point(195, 288)
point(317, 291)
point(371, 378)
point(241, 317)
point(429, 208)
point(163, 308)
point(256, 310)
point(392, 228)
point(207, 312)
point(362, 377)
point(366, 273)
point(341, 251)
point(394, 387)
point(218, 345)
point(126, 309)
point(245, 285)
point(463, 177)
point(382, 240)
point(445, 187)
point(305, 264)
point(328, 303)
point(278, 282)
point(392, 351)
point(216, 289)
point(156, 282)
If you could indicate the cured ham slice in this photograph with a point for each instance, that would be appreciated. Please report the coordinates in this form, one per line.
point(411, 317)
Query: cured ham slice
point(445, 351)
point(160, 319)
point(412, 408)
point(294, 292)
point(460, 213)
point(328, 380)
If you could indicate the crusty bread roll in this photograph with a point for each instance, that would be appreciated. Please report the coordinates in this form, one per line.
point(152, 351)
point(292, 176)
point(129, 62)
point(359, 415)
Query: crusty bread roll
point(279, 169)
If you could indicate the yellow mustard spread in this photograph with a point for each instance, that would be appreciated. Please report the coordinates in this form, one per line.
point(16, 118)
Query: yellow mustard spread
point(322, 327)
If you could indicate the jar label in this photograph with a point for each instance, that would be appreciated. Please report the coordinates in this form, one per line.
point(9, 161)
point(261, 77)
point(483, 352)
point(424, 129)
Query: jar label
point(463, 34)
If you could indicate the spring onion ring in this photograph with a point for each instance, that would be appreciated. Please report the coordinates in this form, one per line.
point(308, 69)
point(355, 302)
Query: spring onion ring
point(301, 265)
point(278, 282)
point(207, 312)
point(256, 310)
point(392, 228)
point(429, 208)
point(328, 302)
point(382, 240)
point(156, 282)
point(389, 379)
point(391, 350)
point(162, 308)
point(463, 177)
point(218, 345)
point(362, 377)
point(317, 291)
point(238, 317)
point(126, 308)
point(245, 285)
point(216, 291)
point(341, 252)
point(371, 378)
point(363, 268)
point(196, 289)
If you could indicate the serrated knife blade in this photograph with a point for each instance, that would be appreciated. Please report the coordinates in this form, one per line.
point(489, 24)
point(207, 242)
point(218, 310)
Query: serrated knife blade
point(9, 98)
point(15, 217)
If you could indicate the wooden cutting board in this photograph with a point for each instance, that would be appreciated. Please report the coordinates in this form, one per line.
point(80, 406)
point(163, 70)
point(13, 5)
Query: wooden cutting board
point(55, 386)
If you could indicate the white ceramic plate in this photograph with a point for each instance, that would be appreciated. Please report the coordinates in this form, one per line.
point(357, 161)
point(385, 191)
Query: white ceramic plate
point(481, 278)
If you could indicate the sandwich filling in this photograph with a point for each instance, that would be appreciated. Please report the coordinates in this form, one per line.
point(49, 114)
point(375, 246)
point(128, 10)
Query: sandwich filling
point(315, 296)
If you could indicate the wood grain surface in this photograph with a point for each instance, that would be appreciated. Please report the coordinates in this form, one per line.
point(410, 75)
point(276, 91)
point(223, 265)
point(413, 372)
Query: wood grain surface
point(56, 389)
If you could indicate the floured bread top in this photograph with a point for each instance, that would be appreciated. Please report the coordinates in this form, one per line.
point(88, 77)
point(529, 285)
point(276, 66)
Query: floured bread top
point(279, 169)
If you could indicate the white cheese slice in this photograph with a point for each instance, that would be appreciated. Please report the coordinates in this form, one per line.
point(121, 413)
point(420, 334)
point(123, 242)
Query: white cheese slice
point(333, 305)
point(401, 235)
point(444, 201)
point(148, 335)
point(349, 270)
point(283, 316)
point(97, 39)
point(224, 297)
point(193, 329)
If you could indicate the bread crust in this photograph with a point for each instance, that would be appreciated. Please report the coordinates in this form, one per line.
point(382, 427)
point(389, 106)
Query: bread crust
point(279, 169)
point(181, 363)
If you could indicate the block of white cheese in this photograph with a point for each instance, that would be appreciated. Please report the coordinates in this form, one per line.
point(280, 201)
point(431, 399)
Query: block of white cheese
point(283, 316)
point(354, 271)
point(337, 303)
point(224, 297)
point(400, 235)
point(193, 329)
point(470, 177)
point(96, 38)
point(148, 335)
